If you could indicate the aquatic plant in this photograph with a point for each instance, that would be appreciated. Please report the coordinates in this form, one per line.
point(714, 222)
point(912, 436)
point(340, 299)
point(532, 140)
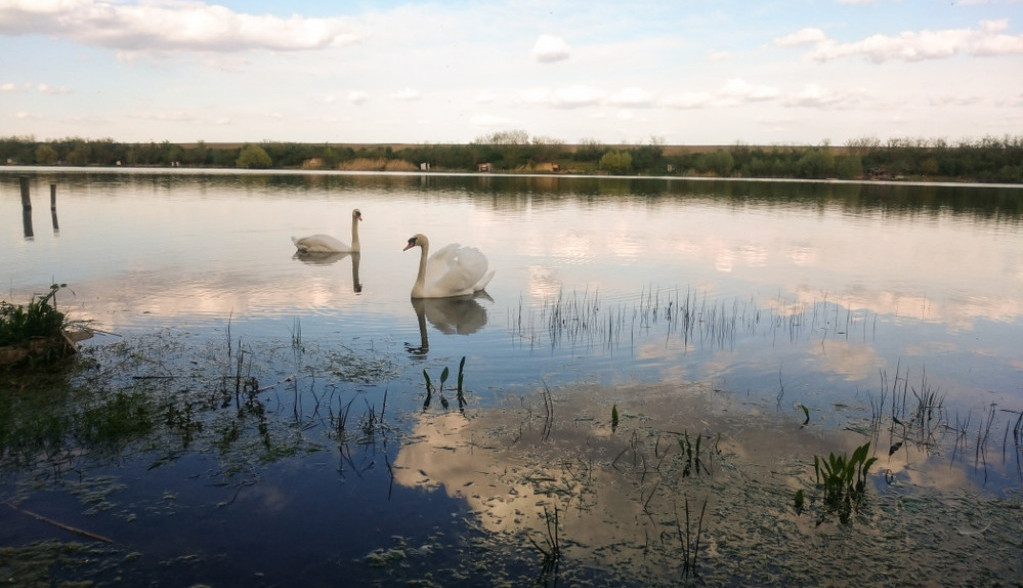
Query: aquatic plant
point(843, 480)
point(444, 375)
point(689, 539)
point(40, 318)
point(614, 418)
point(692, 460)
point(34, 332)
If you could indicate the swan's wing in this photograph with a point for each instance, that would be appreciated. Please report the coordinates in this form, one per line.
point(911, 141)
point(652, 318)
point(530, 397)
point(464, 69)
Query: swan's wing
point(455, 270)
point(320, 244)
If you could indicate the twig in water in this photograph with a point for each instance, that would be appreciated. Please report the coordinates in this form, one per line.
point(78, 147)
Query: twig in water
point(60, 525)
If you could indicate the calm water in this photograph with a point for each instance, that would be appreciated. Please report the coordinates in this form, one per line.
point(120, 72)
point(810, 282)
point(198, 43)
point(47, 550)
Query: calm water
point(778, 295)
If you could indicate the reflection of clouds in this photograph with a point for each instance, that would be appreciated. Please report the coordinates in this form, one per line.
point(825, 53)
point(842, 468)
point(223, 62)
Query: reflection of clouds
point(271, 498)
point(611, 497)
point(803, 255)
point(853, 361)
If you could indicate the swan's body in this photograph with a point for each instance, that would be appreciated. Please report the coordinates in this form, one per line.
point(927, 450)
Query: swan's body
point(328, 244)
point(452, 270)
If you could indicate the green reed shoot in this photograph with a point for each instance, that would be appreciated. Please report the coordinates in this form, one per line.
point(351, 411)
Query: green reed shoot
point(444, 375)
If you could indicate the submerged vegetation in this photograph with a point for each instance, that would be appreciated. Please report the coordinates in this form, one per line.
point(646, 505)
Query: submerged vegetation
point(991, 159)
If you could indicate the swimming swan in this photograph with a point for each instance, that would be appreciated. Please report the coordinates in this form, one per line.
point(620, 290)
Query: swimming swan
point(328, 244)
point(452, 271)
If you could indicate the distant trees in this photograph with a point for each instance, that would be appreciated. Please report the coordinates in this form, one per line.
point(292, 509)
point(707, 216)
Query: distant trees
point(46, 155)
point(987, 160)
point(616, 162)
point(253, 157)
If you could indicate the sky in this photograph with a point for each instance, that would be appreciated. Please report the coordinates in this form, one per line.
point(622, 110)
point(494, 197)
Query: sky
point(685, 72)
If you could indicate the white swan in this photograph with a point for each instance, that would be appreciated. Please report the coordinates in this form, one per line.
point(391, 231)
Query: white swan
point(452, 271)
point(328, 244)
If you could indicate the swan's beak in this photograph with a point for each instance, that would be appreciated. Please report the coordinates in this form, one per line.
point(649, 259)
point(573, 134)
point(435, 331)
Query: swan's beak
point(411, 244)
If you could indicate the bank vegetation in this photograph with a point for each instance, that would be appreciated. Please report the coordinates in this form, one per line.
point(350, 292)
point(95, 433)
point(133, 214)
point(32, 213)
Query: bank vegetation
point(985, 160)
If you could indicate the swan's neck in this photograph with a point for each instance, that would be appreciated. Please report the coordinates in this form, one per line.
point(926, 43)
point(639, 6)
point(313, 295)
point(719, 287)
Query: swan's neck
point(355, 233)
point(420, 287)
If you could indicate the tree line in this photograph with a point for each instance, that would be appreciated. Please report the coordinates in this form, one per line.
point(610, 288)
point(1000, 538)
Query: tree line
point(985, 160)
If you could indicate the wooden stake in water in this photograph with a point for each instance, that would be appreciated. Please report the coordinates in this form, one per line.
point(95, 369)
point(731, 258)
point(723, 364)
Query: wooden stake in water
point(53, 196)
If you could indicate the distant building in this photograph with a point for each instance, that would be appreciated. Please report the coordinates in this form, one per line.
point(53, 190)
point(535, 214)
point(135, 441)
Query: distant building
point(484, 167)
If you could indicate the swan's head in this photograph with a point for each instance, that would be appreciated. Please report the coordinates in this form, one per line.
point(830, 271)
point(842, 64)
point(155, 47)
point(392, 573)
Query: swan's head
point(356, 215)
point(417, 240)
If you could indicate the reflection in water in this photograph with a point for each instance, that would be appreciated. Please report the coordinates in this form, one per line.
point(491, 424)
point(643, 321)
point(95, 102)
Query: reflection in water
point(627, 496)
point(458, 315)
point(26, 222)
point(327, 258)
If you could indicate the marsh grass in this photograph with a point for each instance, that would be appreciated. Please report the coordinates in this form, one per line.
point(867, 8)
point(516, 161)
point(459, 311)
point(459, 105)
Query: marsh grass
point(584, 319)
point(914, 417)
point(689, 538)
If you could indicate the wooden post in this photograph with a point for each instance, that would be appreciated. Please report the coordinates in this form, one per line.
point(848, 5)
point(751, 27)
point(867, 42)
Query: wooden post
point(26, 200)
point(53, 196)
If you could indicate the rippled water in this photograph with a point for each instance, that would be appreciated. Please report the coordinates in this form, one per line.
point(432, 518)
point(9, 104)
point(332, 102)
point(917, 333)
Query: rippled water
point(837, 297)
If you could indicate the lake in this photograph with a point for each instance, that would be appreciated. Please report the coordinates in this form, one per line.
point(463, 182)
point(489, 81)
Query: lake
point(647, 381)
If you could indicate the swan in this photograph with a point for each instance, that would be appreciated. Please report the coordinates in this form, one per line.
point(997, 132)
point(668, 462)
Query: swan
point(452, 271)
point(328, 244)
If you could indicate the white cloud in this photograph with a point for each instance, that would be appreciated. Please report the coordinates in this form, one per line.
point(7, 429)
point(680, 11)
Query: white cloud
point(742, 90)
point(166, 25)
point(635, 97)
point(549, 48)
point(987, 40)
point(486, 97)
point(490, 121)
point(48, 89)
point(813, 95)
point(357, 97)
point(801, 37)
point(575, 96)
point(687, 100)
point(406, 95)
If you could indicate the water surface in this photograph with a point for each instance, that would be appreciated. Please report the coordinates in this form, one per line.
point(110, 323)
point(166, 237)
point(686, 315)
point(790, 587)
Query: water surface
point(851, 300)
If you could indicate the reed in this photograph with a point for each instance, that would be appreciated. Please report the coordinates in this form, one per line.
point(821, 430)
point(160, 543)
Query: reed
point(690, 538)
point(439, 390)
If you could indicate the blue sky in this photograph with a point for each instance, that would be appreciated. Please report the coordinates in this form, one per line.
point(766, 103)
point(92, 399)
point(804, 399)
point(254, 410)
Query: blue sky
point(683, 72)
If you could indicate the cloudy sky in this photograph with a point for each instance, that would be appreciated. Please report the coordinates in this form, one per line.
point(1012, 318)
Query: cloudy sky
point(679, 72)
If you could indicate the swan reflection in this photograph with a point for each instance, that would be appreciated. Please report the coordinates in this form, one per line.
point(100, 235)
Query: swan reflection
point(327, 258)
point(458, 315)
